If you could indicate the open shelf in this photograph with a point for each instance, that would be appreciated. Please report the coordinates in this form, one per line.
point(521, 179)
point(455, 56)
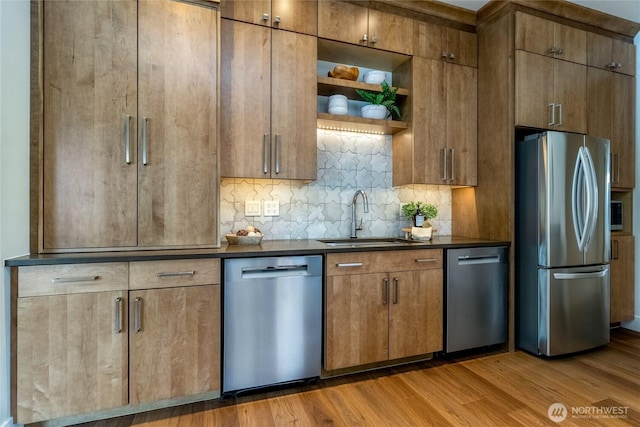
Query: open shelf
point(360, 124)
point(328, 86)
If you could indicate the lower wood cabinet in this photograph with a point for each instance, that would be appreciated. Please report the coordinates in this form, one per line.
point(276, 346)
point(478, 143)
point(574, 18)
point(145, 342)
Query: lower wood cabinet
point(622, 278)
point(382, 306)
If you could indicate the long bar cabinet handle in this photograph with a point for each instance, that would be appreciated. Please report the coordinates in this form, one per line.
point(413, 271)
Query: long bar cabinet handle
point(453, 165)
point(385, 291)
point(426, 260)
point(349, 264)
point(127, 139)
point(395, 290)
point(265, 153)
point(144, 141)
point(277, 154)
point(553, 114)
point(137, 322)
point(117, 315)
point(75, 279)
point(163, 274)
point(559, 106)
point(444, 161)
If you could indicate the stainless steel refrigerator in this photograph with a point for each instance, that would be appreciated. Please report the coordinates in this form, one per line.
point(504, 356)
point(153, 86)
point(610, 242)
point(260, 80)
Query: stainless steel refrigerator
point(562, 243)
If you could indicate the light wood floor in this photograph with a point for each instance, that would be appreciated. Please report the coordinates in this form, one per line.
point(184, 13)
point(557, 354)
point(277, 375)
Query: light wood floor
point(500, 389)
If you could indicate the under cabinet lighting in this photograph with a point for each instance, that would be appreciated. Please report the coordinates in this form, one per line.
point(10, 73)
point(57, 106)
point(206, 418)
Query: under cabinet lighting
point(373, 132)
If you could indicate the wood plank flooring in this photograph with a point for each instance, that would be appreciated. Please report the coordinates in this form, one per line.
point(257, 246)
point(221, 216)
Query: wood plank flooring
point(498, 389)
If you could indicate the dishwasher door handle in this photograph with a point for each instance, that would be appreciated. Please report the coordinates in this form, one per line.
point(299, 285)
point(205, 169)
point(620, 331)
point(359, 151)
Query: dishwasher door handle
point(470, 260)
point(275, 271)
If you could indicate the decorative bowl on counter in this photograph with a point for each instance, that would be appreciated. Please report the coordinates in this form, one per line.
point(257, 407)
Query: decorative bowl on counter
point(243, 240)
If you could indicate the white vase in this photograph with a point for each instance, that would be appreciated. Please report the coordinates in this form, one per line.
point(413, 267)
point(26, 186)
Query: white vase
point(337, 104)
point(371, 111)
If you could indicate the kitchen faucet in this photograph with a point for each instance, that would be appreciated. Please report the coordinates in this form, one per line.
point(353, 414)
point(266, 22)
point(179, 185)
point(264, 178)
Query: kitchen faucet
point(355, 228)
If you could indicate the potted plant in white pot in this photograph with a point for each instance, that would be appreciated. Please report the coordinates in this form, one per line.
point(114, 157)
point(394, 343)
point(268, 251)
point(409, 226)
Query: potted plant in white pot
point(420, 213)
point(381, 104)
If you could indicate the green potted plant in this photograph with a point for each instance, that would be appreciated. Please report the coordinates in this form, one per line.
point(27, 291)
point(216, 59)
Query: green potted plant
point(420, 212)
point(381, 104)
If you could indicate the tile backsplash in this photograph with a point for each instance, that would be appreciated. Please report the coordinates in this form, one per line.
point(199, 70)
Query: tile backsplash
point(347, 162)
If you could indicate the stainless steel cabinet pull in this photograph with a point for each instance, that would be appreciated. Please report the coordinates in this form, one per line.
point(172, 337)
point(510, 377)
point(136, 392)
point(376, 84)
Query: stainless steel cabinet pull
point(349, 264)
point(453, 165)
point(611, 65)
point(277, 154)
point(127, 139)
point(176, 274)
point(445, 55)
point(364, 38)
point(618, 65)
point(137, 308)
point(265, 153)
point(144, 141)
point(552, 50)
point(559, 51)
point(426, 259)
point(395, 290)
point(74, 279)
point(117, 315)
point(452, 56)
point(277, 20)
point(444, 162)
point(374, 40)
point(385, 292)
point(559, 106)
point(553, 114)
point(265, 17)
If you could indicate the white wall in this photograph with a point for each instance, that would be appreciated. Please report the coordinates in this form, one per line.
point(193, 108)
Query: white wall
point(635, 324)
point(14, 163)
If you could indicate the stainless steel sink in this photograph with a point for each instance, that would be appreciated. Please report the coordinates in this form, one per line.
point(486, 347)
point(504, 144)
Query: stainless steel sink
point(356, 243)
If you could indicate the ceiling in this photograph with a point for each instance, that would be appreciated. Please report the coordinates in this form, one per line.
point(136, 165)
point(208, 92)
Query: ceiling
point(627, 9)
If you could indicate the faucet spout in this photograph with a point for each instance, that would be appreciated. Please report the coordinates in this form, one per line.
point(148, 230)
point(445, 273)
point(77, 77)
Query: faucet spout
point(365, 201)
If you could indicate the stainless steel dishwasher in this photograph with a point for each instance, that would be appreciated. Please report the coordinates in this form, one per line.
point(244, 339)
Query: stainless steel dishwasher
point(476, 297)
point(272, 321)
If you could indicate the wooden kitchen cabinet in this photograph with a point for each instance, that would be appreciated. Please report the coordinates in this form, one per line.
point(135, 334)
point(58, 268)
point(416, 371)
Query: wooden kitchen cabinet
point(354, 24)
point(300, 16)
point(611, 115)
point(130, 133)
point(548, 38)
point(440, 146)
point(447, 44)
point(391, 302)
point(174, 330)
point(71, 341)
point(611, 54)
point(550, 93)
point(269, 80)
point(622, 278)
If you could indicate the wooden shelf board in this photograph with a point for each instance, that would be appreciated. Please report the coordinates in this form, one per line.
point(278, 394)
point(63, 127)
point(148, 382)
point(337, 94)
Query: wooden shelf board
point(328, 86)
point(359, 124)
point(344, 53)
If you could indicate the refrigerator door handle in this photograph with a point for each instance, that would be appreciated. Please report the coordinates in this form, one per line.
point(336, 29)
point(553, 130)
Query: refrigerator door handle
point(586, 275)
point(592, 186)
point(578, 193)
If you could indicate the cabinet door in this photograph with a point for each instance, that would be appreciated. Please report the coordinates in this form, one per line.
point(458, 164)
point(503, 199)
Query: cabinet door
point(89, 91)
point(390, 32)
point(534, 90)
point(606, 53)
point(429, 40)
point(570, 92)
point(415, 313)
point(341, 21)
point(300, 16)
point(356, 320)
point(178, 167)
point(246, 91)
point(175, 342)
point(71, 355)
point(570, 43)
point(622, 278)
point(462, 123)
point(534, 34)
point(251, 11)
point(463, 46)
point(294, 106)
point(623, 131)
point(600, 104)
point(429, 132)
point(624, 54)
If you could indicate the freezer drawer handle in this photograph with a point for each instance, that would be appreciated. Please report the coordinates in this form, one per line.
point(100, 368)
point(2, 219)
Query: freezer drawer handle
point(588, 275)
point(468, 260)
point(349, 264)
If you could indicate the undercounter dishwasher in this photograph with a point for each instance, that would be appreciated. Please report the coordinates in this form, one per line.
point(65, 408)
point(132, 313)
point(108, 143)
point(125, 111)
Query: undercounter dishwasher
point(272, 321)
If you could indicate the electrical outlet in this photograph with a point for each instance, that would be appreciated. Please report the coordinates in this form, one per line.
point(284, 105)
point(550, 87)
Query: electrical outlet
point(252, 208)
point(271, 208)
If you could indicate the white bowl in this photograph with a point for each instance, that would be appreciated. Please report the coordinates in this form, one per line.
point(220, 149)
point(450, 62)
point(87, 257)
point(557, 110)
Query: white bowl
point(341, 111)
point(374, 77)
point(371, 111)
point(337, 101)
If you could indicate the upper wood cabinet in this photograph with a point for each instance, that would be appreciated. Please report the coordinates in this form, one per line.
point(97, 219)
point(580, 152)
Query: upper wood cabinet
point(300, 16)
point(611, 115)
point(71, 341)
point(440, 146)
point(611, 54)
point(354, 24)
point(268, 81)
point(448, 44)
point(622, 278)
point(130, 132)
point(544, 37)
point(550, 93)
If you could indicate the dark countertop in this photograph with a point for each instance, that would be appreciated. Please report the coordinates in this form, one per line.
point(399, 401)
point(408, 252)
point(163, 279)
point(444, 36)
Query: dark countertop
point(266, 248)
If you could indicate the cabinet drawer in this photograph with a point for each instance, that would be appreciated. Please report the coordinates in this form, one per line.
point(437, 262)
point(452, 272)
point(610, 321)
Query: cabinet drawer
point(72, 279)
point(383, 261)
point(168, 274)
